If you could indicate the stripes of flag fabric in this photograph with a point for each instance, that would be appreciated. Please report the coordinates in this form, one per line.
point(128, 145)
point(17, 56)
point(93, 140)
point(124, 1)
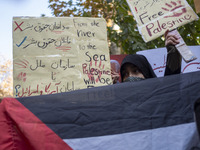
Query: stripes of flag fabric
point(154, 114)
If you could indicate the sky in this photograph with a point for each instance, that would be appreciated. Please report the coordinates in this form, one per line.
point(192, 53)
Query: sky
point(16, 8)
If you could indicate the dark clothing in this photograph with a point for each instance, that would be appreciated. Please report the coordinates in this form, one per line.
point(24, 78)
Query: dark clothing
point(174, 59)
point(141, 63)
point(173, 64)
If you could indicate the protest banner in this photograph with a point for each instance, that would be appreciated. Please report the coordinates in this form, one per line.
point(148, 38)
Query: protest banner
point(59, 54)
point(154, 17)
point(158, 58)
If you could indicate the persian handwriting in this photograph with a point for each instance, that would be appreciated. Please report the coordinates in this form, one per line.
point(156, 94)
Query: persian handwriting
point(62, 40)
point(41, 27)
point(28, 27)
point(50, 88)
point(43, 44)
point(39, 44)
point(62, 64)
point(143, 4)
point(38, 64)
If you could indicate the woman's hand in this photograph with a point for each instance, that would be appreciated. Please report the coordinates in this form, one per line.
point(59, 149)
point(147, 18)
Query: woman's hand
point(171, 38)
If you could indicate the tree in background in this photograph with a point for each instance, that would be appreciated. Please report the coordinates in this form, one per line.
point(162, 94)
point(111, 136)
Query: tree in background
point(6, 80)
point(191, 32)
point(117, 14)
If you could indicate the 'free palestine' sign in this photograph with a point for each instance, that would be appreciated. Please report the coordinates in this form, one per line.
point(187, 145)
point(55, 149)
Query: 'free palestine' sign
point(154, 17)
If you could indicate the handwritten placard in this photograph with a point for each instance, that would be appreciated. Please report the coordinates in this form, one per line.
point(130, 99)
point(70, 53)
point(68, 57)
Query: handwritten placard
point(154, 17)
point(59, 54)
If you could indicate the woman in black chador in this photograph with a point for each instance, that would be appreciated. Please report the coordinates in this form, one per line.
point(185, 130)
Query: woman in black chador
point(136, 67)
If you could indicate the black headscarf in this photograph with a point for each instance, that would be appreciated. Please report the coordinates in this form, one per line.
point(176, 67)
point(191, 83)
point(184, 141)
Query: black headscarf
point(139, 61)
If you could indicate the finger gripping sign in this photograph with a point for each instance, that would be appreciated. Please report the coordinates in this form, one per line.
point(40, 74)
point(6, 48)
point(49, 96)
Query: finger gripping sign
point(59, 54)
point(154, 17)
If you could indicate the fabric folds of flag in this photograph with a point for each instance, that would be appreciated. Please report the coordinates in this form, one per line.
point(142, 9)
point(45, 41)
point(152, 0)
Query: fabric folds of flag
point(154, 114)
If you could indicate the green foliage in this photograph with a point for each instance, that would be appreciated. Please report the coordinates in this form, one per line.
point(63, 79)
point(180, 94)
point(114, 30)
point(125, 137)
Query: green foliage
point(191, 32)
point(118, 13)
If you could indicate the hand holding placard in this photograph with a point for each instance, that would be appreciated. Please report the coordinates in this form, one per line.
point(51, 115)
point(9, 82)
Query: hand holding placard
point(183, 49)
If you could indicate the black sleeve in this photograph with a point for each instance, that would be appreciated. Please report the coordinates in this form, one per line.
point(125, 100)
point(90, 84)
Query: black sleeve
point(174, 59)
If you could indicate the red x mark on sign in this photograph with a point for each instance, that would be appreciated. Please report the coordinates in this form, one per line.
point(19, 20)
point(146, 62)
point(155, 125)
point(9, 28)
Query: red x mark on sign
point(18, 26)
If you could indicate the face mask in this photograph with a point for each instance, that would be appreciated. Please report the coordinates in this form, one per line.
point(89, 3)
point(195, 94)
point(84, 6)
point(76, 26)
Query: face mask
point(132, 79)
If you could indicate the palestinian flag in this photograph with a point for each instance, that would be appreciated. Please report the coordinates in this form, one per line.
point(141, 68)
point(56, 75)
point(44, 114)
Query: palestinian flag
point(154, 114)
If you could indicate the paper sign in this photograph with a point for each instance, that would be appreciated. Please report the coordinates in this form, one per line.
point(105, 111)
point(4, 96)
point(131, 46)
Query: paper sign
point(54, 55)
point(154, 17)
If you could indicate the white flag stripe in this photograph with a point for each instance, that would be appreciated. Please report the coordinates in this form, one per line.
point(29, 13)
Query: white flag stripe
point(179, 137)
